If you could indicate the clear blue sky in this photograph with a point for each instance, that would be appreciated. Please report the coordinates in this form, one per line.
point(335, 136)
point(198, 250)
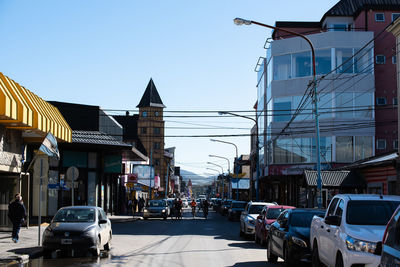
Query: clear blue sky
point(104, 53)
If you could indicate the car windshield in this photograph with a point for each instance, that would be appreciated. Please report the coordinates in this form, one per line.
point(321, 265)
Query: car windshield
point(370, 212)
point(239, 205)
point(75, 215)
point(274, 213)
point(256, 209)
point(157, 203)
point(302, 219)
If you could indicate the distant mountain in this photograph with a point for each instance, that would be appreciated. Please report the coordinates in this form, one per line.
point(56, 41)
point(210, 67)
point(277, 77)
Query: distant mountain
point(196, 179)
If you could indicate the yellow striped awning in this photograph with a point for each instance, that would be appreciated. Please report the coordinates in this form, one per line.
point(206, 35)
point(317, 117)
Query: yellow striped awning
point(21, 109)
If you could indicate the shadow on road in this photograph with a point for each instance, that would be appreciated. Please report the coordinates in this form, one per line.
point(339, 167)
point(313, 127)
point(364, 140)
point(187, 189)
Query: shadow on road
point(247, 245)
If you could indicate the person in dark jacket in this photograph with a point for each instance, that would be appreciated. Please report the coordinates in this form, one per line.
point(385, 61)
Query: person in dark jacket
point(17, 214)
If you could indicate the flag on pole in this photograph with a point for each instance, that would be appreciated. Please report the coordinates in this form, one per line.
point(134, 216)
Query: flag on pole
point(49, 146)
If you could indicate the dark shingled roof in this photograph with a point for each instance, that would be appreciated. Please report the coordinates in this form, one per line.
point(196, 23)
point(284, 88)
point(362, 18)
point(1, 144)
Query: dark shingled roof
point(97, 138)
point(130, 129)
point(151, 98)
point(353, 7)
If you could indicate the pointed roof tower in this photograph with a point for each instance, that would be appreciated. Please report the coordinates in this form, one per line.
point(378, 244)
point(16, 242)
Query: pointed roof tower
point(151, 98)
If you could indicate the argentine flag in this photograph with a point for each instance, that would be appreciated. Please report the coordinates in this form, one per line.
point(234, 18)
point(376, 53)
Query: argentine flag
point(49, 146)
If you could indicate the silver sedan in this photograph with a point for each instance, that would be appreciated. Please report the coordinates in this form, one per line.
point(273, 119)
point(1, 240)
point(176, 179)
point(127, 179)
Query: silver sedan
point(79, 228)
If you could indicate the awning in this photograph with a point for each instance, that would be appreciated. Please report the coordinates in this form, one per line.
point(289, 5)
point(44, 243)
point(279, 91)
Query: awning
point(23, 110)
point(335, 179)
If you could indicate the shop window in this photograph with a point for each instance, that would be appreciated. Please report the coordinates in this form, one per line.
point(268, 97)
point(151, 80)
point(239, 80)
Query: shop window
point(379, 17)
point(381, 144)
point(380, 59)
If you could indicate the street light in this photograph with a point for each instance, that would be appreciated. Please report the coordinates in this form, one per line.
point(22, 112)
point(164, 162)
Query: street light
point(235, 169)
point(240, 21)
point(215, 156)
point(257, 147)
point(223, 182)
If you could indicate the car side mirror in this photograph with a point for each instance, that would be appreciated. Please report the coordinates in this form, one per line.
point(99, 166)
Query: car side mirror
point(333, 220)
point(102, 221)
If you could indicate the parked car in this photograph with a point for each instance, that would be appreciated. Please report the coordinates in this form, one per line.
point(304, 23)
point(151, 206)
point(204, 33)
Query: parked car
point(249, 215)
point(156, 209)
point(226, 204)
point(391, 242)
point(268, 216)
point(351, 232)
point(84, 228)
point(289, 236)
point(236, 209)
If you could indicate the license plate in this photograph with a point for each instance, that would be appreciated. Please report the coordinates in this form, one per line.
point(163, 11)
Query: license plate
point(66, 241)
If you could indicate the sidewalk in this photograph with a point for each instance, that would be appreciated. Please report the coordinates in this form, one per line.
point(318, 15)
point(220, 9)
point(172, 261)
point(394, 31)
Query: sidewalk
point(27, 247)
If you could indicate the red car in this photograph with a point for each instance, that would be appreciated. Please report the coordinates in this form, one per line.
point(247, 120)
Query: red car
point(268, 215)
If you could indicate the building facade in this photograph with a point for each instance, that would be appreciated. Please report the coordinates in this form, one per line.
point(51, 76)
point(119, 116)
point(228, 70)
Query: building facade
point(356, 86)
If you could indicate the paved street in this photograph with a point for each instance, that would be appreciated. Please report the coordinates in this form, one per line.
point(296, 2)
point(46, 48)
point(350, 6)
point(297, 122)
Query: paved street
point(189, 242)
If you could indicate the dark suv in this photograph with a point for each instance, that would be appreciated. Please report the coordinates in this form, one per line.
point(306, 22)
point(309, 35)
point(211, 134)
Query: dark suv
point(391, 242)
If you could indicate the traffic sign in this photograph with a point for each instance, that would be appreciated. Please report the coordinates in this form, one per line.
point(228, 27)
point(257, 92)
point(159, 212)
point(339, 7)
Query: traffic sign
point(72, 173)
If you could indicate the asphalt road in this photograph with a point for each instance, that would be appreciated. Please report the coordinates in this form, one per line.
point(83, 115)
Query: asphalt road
point(188, 242)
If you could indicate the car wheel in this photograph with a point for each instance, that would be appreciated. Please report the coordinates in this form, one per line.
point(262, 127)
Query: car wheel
point(107, 246)
point(339, 261)
point(271, 257)
point(288, 261)
point(315, 257)
point(96, 251)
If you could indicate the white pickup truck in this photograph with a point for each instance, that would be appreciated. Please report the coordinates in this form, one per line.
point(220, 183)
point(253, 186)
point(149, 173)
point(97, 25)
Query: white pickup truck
point(351, 232)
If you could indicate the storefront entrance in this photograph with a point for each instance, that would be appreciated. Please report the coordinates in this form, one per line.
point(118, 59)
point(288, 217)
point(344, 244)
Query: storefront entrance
point(8, 188)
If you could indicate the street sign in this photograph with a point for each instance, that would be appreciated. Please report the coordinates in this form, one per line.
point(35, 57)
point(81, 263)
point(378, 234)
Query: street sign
point(53, 186)
point(72, 173)
point(132, 178)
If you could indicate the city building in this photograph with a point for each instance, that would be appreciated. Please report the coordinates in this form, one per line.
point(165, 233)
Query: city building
point(356, 84)
point(25, 119)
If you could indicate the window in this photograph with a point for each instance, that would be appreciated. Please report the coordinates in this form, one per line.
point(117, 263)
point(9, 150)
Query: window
point(363, 147)
point(381, 101)
point(340, 208)
point(156, 113)
point(380, 17)
point(156, 162)
point(363, 105)
point(301, 150)
point(325, 106)
point(157, 130)
point(282, 67)
point(380, 59)
point(396, 144)
point(394, 59)
point(282, 151)
point(395, 16)
point(301, 64)
point(339, 27)
point(143, 130)
point(344, 105)
point(363, 62)
point(282, 108)
point(395, 101)
point(323, 61)
point(344, 60)
point(381, 144)
point(332, 207)
point(144, 114)
point(156, 145)
point(325, 146)
point(344, 148)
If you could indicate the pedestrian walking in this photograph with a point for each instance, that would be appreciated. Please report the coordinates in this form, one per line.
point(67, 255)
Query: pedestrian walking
point(17, 215)
point(134, 205)
point(141, 204)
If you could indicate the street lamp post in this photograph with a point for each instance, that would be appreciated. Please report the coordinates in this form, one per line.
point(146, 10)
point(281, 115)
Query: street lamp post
point(222, 169)
point(229, 167)
point(239, 21)
point(235, 168)
point(257, 147)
